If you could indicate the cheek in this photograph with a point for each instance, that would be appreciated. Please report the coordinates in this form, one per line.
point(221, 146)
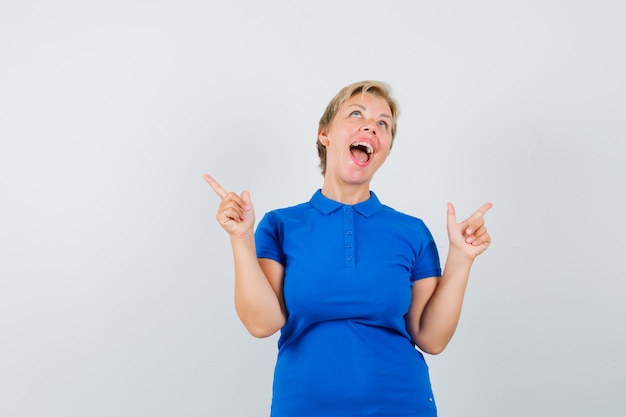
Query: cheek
point(340, 135)
point(388, 144)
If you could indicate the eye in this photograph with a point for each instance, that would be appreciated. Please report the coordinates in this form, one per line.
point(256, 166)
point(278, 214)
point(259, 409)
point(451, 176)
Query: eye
point(355, 113)
point(383, 124)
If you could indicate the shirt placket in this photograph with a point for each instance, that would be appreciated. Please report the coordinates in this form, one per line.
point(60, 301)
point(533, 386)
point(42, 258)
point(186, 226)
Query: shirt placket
point(348, 236)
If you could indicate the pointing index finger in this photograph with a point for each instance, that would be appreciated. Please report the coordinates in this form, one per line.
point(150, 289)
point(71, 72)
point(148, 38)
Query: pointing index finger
point(484, 208)
point(481, 211)
point(219, 190)
point(475, 220)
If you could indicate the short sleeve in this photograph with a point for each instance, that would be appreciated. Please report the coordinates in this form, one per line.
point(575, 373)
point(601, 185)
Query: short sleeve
point(268, 239)
point(427, 263)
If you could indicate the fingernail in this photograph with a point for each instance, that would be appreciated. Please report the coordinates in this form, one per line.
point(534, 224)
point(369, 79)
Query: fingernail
point(468, 231)
point(469, 239)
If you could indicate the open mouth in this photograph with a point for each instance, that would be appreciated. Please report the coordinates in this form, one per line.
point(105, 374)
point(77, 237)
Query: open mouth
point(361, 151)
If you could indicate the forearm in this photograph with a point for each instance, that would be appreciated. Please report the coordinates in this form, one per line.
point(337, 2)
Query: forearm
point(257, 305)
point(436, 307)
point(441, 315)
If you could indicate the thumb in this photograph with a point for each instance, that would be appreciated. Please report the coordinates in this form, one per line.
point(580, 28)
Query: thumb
point(451, 215)
point(245, 196)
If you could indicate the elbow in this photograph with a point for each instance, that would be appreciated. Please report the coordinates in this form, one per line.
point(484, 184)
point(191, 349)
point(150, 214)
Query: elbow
point(430, 343)
point(261, 332)
point(432, 348)
point(262, 329)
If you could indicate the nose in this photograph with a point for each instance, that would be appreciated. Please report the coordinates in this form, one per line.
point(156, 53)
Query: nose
point(369, 126)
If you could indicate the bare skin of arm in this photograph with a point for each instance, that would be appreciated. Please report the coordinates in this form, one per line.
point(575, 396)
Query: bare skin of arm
point(258, 282)
point(436, 302)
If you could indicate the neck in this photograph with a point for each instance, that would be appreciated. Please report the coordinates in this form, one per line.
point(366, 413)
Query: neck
point(349, 194)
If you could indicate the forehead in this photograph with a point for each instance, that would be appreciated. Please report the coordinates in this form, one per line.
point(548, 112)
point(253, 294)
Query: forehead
point(370, 102)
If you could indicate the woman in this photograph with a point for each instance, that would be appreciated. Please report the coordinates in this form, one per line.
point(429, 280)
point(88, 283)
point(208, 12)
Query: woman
point(353, 285)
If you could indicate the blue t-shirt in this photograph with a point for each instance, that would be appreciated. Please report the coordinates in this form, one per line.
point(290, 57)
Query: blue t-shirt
point(345, 350)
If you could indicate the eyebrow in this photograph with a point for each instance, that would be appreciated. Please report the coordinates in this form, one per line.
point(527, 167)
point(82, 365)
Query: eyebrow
point(363, 108)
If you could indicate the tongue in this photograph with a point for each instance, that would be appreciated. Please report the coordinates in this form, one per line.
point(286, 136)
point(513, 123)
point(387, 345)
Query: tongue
point(359, 154)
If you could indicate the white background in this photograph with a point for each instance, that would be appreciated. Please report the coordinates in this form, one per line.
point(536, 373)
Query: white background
point(116, 281)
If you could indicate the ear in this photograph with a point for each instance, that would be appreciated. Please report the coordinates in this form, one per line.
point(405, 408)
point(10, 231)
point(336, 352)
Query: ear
point(323, 137)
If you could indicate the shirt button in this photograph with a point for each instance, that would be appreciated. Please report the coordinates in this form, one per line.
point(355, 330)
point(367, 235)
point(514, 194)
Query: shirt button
point(349, 245)
point(349, 232)
point(350, 258)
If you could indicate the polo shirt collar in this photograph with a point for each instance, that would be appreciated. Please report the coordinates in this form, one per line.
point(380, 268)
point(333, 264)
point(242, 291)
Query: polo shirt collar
point(367, 208)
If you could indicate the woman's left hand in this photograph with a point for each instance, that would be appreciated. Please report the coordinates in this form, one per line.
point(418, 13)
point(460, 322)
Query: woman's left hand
point(470, 236)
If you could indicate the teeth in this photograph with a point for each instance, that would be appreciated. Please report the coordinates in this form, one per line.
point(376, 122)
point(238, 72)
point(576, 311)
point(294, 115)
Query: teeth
point(366, 145)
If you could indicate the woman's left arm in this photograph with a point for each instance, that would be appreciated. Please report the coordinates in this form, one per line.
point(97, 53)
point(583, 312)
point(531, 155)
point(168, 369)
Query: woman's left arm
point(436, 303)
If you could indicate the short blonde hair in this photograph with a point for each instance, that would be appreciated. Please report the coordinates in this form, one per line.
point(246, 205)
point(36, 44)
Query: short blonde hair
point(376, 88)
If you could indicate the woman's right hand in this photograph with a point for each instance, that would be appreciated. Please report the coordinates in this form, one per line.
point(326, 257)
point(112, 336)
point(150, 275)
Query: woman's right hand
point(235, 213)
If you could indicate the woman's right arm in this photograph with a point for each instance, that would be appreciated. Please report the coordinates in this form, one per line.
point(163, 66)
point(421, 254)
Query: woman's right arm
point(258, 282)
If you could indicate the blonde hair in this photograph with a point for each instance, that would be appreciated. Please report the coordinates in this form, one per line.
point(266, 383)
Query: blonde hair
point(376, 88)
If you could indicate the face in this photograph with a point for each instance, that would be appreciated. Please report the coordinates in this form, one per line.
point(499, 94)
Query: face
point(358, 139)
